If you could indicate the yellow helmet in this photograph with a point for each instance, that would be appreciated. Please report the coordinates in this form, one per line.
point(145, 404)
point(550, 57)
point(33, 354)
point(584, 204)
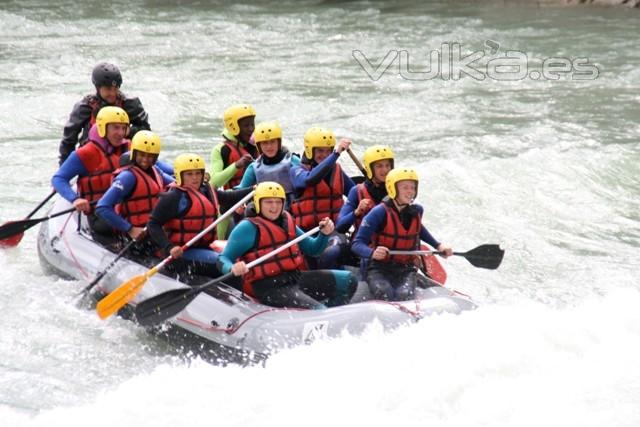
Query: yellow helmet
point(373, 154)
point(317, 137)
point(267, 189)
point(146, 142)
point(396, 175)
point(233, 114)
point(265, 131)
point(187, 162)
point(108, 115)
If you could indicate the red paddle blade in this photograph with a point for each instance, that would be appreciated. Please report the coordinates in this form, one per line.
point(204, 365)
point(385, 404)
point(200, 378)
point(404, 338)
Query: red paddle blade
point(11, 241)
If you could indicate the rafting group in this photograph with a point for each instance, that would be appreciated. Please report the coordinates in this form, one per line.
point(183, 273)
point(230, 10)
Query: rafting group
point(371, 230)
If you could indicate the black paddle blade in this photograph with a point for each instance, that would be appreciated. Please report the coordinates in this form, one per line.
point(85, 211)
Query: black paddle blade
point(485, 256)
point(164, 306)
point(358, 179)
point(15, 227)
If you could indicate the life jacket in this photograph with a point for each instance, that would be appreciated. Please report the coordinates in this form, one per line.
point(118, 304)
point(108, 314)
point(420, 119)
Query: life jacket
point(100, 166)
point(270, 236)
point(96, 104)
point(202, 212)
point(138, 206)
point(236, 151)
point(363, 193)
point(319, 201)
point(395, 237)
point(278, 172)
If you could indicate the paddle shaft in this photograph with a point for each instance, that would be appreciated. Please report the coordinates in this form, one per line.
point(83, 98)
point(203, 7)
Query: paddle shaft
point(258, 260)
point(129, 289)
point(166, 305)
point(207, 229)
point(42, 203)
point(356, 161)
point(103, 272)
point(484, 256)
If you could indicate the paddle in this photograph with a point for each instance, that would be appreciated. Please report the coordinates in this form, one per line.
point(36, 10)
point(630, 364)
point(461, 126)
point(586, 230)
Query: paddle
point(167, 304)
point(356, 161)
point(487, 256)
point(101, 274)
point(14, 239)
point(12, 228)
point(129, 289)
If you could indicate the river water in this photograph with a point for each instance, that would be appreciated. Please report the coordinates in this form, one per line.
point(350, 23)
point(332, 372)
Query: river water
point(536, 148)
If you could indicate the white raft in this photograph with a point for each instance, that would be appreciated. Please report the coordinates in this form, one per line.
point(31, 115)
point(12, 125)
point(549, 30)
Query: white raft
point(232, 322)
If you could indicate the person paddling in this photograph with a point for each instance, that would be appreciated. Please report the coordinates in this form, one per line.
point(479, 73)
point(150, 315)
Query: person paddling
point(395, 224)
point(135, 189)
point(107, 80)
point(377, 162)
point(187, 208)
point(319, 181)
point(280, 281)
point(93, 164)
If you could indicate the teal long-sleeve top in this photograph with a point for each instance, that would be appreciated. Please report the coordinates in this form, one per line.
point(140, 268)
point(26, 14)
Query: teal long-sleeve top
point(243, 239)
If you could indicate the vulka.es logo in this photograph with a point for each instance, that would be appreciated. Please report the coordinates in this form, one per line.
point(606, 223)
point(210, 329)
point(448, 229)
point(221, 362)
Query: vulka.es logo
point(449, 63)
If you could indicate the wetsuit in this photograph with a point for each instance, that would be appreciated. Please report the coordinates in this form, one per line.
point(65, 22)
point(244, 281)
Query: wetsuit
point(83, 116)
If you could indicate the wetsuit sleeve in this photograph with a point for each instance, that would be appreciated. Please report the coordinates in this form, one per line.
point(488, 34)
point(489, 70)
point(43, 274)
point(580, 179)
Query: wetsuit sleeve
point(302, 178)
point(371, 224)
point(347, 217)
point(249, 178)
point(71, 168)
point(120, 189)
point(219, 174)
point(168, 207)
point(78, 119)
point(165, 167)
point(229, 198)
point(138, 117)
point(312, 246)
point(425, 235)
point(166, 178)
point(241, 240)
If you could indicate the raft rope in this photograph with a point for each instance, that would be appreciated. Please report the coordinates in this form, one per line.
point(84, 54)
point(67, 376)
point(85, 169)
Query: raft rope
point(66, 243)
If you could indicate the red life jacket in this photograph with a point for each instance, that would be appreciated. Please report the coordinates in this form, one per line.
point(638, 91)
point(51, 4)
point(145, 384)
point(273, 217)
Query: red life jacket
point(395, 237)
point(137, 208)
point(319, 201)
point(363, 193)
point(96, 104)
point(270, 236)
point(236, 151)
point(100, 166)
point(202, 212)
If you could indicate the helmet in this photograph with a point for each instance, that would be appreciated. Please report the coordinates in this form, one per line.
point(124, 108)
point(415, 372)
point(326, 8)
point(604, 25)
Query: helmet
point(108, 115)
point(373, 154)
point(187, 162)
point(146, 142)
point(396, 175)
point(233, 114)
point(266, 131)
point(105, 74)
point(317, 137)
point(267, 189)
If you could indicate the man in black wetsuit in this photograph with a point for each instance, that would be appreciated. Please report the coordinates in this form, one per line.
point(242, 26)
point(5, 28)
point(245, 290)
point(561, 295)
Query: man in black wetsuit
point(107, 80)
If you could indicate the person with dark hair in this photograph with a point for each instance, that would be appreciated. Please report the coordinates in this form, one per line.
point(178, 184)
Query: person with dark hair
point(107, 80)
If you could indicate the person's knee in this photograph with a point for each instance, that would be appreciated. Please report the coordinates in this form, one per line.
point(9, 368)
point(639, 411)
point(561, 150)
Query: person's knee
point(379, 287)
point(404, 292)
